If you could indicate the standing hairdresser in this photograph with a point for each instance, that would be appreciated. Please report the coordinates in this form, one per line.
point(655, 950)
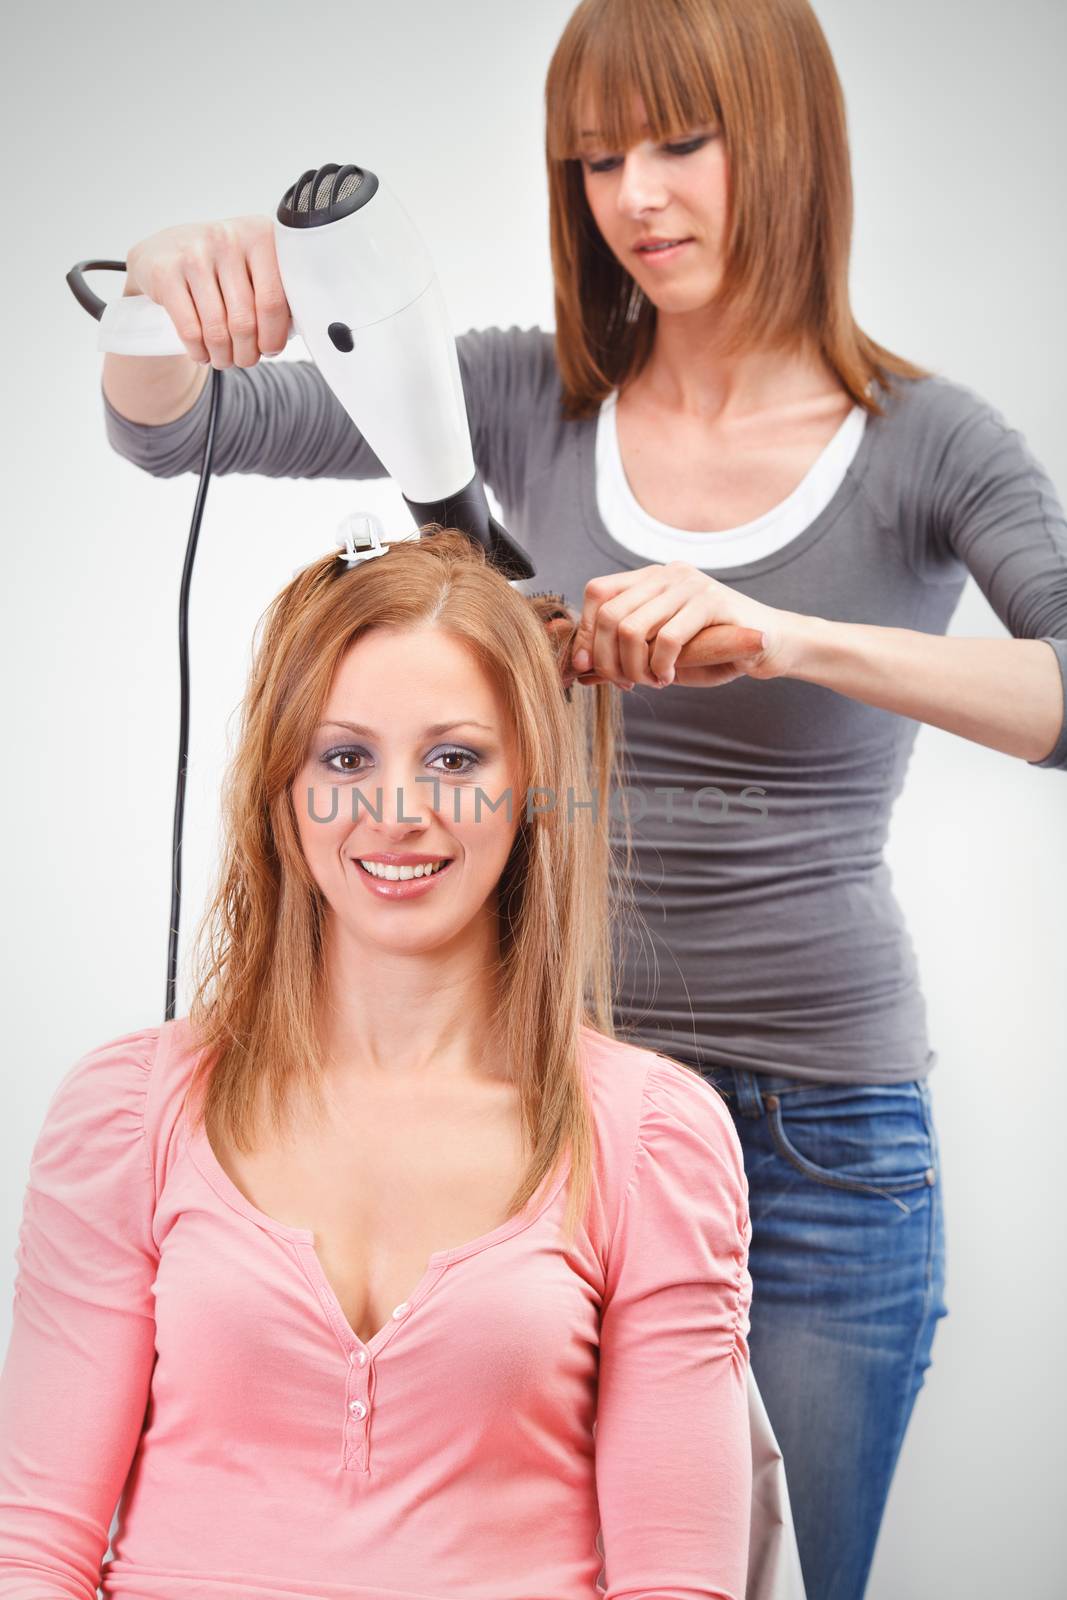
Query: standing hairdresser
point(709, 437)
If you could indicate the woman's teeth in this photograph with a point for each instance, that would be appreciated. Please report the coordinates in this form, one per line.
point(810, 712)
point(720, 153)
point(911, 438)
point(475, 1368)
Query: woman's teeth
point(378, 869)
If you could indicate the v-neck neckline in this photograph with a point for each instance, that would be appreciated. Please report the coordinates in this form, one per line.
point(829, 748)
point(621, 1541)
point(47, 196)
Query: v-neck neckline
point(303, 1239)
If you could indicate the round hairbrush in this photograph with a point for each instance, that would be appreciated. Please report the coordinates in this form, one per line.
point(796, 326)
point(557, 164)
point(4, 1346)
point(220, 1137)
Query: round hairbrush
point(713, 646)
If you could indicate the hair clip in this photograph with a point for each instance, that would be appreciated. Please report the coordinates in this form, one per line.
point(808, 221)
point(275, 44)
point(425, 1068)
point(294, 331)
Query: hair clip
point(360, 538)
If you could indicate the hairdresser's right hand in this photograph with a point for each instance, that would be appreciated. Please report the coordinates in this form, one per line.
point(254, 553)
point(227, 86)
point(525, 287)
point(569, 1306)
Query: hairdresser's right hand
point(220, 285)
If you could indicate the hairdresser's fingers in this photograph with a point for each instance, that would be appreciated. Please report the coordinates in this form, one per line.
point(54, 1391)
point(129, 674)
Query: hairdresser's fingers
point(273, 313)
point(198, 263)
point(626, 628)
point(172, 293)
point(595, 647)
point(240, 301)
point(659, 607)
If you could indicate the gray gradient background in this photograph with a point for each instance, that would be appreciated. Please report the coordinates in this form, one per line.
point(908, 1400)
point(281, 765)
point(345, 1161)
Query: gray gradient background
point(119, 120)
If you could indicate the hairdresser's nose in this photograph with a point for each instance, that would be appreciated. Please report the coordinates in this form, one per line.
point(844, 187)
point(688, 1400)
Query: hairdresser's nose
point(641, 186)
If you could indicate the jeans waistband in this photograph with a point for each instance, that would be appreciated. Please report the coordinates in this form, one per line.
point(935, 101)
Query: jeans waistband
point(747, 1089)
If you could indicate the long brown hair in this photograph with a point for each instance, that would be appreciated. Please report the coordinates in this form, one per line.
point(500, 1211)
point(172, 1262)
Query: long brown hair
point(260, 979)
point(762, 71)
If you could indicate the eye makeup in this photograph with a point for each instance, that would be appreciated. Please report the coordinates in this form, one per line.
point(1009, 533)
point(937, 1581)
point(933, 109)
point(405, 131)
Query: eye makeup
point(685, 148)
point(329, 756)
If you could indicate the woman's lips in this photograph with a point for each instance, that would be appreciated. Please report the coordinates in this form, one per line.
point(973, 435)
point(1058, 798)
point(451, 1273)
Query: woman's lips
point(398, 888)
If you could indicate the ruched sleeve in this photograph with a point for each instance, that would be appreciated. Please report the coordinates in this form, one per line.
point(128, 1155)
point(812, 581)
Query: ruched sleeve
point(673, 1442)
point(76, 1377)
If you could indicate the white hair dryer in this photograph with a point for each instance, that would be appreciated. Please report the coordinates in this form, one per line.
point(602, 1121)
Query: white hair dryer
point(367, 303)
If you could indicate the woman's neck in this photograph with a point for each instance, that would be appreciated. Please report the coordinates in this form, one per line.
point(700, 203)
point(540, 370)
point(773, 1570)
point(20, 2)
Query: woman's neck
point(395, 1017)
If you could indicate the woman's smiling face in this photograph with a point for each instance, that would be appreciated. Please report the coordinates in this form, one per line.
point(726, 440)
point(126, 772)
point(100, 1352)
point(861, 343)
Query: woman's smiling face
point(674, 191)
point(413, 723)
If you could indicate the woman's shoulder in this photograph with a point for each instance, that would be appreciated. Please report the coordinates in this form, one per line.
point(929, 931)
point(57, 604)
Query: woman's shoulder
point(110, 1076)
point(123, 1093)
point(672, 1172)
point(641, 1097)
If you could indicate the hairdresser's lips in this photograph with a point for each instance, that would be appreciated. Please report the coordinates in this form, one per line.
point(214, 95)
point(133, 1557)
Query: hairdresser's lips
point(661, 257)
point(400, 889)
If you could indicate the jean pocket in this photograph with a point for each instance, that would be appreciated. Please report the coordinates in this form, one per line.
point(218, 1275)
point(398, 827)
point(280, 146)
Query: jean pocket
point(870, 1138)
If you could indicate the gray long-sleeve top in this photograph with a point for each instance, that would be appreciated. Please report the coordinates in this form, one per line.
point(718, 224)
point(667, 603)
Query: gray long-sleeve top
point(771, 936)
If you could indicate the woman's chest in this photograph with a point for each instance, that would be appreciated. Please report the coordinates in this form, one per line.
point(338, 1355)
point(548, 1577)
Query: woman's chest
point(385, 1189)
point(702, 478)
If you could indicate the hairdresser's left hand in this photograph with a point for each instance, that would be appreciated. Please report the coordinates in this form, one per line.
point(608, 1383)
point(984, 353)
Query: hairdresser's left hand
point(634, 624)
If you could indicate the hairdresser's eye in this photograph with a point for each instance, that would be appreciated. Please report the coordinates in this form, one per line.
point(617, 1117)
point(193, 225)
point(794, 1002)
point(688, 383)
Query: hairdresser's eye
point(605, 165)
point(684, 147)
point(688, 146)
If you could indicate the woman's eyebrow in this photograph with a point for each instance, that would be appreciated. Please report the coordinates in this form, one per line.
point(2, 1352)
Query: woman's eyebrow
point(432, 731)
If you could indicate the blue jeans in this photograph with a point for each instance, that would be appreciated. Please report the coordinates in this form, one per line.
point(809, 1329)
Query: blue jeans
point(848, 1271)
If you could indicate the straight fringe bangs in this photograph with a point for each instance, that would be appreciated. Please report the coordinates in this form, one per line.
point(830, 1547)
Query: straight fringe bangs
point(259, 984)
point(762, 71)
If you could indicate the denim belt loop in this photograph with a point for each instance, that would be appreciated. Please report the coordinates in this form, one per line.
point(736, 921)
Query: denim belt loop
point(749, 1098)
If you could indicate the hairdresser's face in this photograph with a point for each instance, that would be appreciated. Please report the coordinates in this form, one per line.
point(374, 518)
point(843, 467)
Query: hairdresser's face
point(429, 733)
point(676, 191)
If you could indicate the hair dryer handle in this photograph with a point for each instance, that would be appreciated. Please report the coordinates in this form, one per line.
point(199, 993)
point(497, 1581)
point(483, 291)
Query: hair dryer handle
point(135, 325)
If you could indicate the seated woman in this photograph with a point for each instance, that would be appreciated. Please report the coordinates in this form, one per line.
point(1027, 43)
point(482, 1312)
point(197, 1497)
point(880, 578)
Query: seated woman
point(388, 1270)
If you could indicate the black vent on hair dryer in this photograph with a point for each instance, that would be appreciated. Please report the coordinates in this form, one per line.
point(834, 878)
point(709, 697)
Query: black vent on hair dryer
point(325, 194)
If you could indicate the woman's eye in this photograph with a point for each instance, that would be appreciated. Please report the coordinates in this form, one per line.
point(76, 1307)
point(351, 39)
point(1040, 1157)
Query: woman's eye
point(349, 755)
point(342, 756)
point(464, 755)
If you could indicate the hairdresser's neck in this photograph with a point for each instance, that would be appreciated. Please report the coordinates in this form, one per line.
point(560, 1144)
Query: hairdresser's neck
point(690, 372)
point(410, 1021)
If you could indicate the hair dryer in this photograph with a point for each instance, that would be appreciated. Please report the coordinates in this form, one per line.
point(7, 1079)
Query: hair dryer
point(366, 301)
point(368, 305)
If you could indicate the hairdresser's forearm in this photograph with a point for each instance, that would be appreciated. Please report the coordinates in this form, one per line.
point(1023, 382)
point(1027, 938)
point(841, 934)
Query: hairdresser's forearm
point(1003, 693)
point(152, 389)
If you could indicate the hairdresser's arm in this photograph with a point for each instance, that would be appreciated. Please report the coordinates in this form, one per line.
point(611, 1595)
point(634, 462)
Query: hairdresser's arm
point(980, 500)
point(152, 389)
point(1004, 693)
point(220, 285)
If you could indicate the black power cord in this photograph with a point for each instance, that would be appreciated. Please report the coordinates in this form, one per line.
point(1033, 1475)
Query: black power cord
point(183, 719)
point(95, 306)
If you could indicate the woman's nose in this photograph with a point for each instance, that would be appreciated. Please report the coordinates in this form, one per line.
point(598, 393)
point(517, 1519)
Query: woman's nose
point(405, 800)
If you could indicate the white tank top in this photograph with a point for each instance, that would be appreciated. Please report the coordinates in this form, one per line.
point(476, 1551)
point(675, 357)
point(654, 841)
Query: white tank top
point(633, 527)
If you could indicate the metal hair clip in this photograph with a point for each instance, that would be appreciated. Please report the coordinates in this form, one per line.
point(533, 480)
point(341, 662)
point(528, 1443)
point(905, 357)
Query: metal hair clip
point(361, 538)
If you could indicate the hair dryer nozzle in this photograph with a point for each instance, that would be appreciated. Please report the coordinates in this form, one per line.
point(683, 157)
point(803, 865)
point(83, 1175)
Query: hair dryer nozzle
point(468, 510)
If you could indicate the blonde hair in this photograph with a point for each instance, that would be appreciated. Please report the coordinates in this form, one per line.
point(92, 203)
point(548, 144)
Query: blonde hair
point(762, 71)
point(260, 981)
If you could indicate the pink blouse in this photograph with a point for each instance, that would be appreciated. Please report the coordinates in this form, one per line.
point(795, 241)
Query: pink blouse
point(536, 1421)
